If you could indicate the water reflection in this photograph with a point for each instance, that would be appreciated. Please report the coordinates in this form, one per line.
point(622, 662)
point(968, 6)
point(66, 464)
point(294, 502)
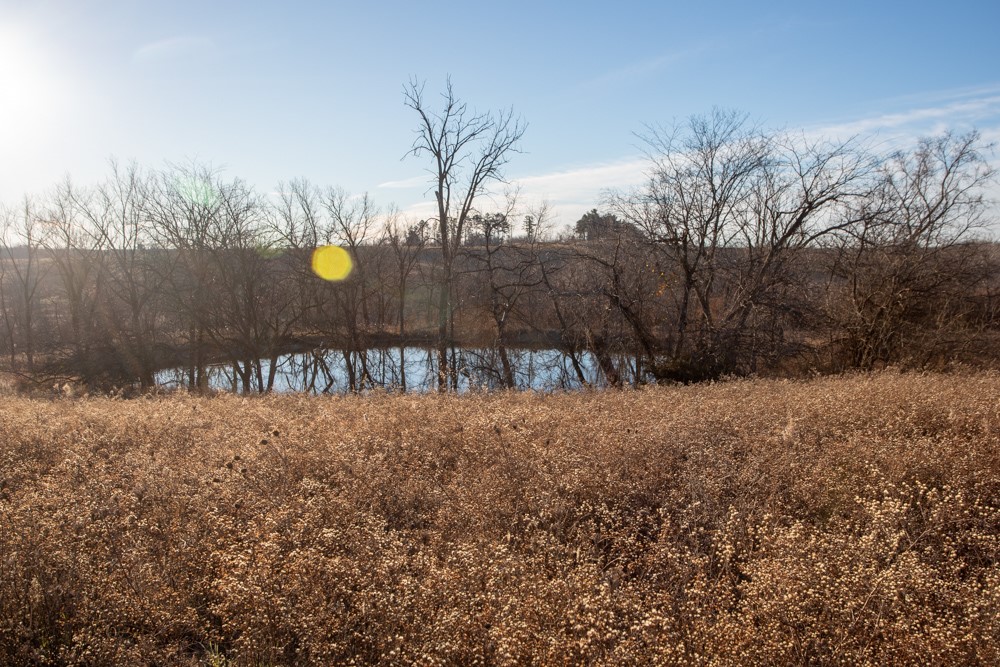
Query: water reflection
point(415, 369)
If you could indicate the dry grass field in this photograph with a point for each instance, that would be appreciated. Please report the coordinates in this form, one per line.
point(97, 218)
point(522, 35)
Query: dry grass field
point(842, 520)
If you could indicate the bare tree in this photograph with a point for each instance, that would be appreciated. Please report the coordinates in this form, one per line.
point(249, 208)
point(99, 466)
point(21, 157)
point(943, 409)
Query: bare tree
point(184, 209)
point(353, 227)
point(24, 238)
point(76, 253)
point(297, 215)
point(115, 214)
point(257, 279)
point(908, 274)
point(468, 151)
point(407, 242)
point(297, 221)
point(506, 272)
point(730, 207)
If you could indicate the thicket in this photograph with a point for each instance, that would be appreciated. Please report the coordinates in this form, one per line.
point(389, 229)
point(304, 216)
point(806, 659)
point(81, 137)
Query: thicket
point(747, 252)
point(850, 520)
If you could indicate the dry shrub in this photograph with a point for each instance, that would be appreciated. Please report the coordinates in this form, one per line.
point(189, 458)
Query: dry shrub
point(844, 519)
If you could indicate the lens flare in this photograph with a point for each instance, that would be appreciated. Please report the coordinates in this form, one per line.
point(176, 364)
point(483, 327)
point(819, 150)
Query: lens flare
point(197, 191)
point(331, 262)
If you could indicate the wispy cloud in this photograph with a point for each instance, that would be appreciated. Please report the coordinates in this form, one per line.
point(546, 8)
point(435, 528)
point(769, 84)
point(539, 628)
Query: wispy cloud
point(959, 110)
point(929, 98)
point(585, 181)
point(641, 69)
point(569, 192)
point(172, 47)
point(412, 182)
point(633, 71)
point(420, 210)
point(924, 115)
point(572, 192)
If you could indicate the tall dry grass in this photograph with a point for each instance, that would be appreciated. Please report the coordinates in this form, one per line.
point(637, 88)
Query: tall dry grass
point(850, 520)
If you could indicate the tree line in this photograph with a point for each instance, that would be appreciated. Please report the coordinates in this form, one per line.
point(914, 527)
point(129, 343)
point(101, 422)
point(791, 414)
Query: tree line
point(746, 251)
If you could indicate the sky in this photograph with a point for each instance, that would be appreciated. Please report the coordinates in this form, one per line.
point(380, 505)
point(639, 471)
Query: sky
point(273, 91)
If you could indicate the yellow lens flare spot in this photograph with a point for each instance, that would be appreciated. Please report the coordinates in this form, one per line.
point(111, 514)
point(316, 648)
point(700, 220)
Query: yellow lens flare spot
point(331, 262)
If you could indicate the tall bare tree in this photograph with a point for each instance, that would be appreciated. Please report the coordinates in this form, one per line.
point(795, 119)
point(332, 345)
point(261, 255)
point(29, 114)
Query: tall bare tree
point(468, 151)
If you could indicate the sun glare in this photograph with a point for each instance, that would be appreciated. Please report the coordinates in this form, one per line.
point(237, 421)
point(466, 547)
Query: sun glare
point(331, 262)
point(27, 95)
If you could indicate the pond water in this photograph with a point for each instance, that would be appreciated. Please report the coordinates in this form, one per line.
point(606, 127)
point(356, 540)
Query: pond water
point(414, 369)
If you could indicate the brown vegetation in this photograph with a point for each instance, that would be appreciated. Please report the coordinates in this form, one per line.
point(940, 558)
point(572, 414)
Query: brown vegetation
point(852, 520)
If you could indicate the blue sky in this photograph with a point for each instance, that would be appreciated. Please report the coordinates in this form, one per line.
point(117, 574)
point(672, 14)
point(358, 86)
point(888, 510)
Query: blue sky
point(271, 91)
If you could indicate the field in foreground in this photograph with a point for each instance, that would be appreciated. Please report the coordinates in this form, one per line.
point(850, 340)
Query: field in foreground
point(852, 520)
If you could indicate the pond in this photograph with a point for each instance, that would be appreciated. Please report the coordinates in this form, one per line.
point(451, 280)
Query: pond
point(415, 369)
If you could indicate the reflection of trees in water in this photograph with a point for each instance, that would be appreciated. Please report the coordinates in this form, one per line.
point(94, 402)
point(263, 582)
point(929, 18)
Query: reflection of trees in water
point(541, 370)
point(414, 369)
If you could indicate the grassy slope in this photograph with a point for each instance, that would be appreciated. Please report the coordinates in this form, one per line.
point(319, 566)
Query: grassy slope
point(750, 522)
